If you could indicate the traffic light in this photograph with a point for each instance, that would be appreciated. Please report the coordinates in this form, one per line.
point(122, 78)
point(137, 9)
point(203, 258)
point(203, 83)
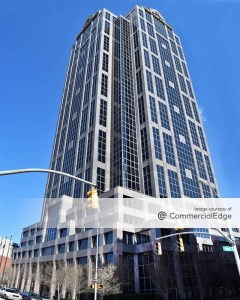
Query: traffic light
point(158, 247)
point(93, 198)
point(178, 229)
point(180, 245)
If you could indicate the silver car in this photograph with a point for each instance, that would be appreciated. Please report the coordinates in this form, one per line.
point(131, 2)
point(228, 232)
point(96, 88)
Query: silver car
point(9, 293)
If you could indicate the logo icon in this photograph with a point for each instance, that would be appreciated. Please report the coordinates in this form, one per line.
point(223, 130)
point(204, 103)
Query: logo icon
point(162, 215)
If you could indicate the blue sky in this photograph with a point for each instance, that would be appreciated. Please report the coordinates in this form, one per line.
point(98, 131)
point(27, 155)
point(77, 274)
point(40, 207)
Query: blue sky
point(36, 39)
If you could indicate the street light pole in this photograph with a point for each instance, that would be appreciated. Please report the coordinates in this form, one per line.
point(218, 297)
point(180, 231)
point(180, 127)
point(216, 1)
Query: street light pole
point(230, 239)
point(36, 170)
point(96, 265)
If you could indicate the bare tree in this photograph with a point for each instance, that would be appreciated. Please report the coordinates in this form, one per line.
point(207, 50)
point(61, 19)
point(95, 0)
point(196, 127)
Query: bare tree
point(77, 280)
point(61, 274)
point(109, 279)
point(8, 276)
point(45, 277)
point(162, 277)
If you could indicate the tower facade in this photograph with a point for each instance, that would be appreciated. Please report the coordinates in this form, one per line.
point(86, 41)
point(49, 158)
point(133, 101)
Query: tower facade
point(129, 116)
point(128, 121)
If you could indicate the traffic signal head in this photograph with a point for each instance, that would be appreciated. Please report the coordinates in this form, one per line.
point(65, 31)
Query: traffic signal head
point(158, 247)
point(93, 199)
point(178, 229)
point(180, 245)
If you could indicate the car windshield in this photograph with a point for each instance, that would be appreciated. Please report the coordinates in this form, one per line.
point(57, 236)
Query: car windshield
point(11, 291)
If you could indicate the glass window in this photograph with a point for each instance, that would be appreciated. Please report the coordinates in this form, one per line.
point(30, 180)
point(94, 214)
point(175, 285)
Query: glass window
point(141, 110)
point(159, 88)
point(149, 81)
point(106, 43)
point(139, 82)
point(200, 131)
point(71, 246)
point(105, 62)
point(174, 184)
point(107, 27)
point(109, 258)
point(103, 113)
point(104, 85)
point(61, 248)
point(161, 182)
point(147, 180)
point(83, 244)
point(169, 152)
point(187, 106)
point(101, 146)
point(209, 168)
point(164, 115)
point(63, 232)
point(101, 180)
point(193, 133)
point(157, 146)
point(144, 38)
point(201, 169)
point(153, 46)
point(150, 30)
point(108, 237)
point(144, 144)
point(146, 58)
point(153, 109)
point(156, 65)
point(142, 24)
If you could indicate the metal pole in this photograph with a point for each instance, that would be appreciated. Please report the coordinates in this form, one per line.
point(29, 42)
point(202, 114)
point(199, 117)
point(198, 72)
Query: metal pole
point(231, 239)
point(34, 170)
point(96, 265)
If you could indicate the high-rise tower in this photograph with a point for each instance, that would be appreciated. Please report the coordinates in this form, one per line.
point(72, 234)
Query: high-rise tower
point(128, 121)
point(129, 116)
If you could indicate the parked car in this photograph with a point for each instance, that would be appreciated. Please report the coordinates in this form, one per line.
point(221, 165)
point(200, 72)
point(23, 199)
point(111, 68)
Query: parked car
point(10, 293)
point(30, 296)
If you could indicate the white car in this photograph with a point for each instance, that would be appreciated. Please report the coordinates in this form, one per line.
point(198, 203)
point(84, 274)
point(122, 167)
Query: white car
point(9, 293)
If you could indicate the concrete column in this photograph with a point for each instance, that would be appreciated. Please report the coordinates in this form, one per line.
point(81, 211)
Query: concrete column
point(136, 274)
point(23, 274)
point(29, 278)
point(53, 283)
point(37, 280)
point(64, 285)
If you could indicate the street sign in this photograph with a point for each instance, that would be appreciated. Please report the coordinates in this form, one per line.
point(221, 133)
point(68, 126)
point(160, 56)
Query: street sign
point(228, 249)
point(97, 285)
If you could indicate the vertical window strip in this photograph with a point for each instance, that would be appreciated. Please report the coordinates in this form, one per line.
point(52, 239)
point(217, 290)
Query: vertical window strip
point(102, 146)
point(200, 131)
point(100, 180)
point(209, 168)
point(141, 110)
point(157, 145)
point(187, 107)
point(149, 81)
point(201, 169)
point(159, 88)
point(193, 131)
point(174, 184)
point(168, 145)
point(161, 182)
point(164, 115)
point(144, 144)
point(147, 180)
point(153, 109)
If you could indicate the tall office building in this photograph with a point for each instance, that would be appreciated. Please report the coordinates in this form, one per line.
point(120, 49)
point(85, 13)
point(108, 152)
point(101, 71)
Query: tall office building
point(128, 121)
point(129, 116)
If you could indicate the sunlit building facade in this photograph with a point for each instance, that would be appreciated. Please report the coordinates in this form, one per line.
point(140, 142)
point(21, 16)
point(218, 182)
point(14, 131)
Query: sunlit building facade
point(130, 123)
